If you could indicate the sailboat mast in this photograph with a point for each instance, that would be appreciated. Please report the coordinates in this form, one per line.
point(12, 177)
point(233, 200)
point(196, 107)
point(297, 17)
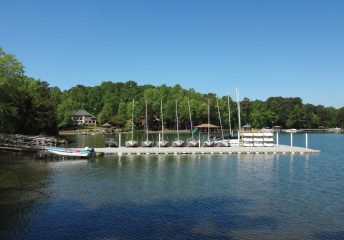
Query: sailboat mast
point(229, 117)
point(177, 120)
point(218, 111)
point(208, 119)
point(162, 121)
point(132, 122)
point(146, 121)
point(239, 120)
point(190, 120)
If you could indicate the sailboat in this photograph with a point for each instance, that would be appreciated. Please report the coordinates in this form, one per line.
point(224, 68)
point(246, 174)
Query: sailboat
point(191, 142)
point(147, 143)
point(229, 117)
point(177, 142)
point(132, 142)
point(208, 143)
point(239, 120)
point(162, 142)
point(220, 142)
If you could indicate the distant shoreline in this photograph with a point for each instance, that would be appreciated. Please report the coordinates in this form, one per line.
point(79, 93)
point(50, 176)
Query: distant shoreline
point(87, 131)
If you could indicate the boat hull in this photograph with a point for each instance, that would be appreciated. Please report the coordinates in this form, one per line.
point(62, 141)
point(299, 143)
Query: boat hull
point(192, 143)
point(147, 144)
point(71, 152)
point(131, 144)
point(222, 143)
point(208, 144)
point(163, 143)
point(178, 143)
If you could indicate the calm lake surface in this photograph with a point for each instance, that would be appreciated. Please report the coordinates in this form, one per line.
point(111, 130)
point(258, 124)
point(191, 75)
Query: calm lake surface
point(176, 197)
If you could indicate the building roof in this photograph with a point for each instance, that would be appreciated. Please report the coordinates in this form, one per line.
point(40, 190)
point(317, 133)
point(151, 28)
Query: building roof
point(205, 125)
point(83, 113)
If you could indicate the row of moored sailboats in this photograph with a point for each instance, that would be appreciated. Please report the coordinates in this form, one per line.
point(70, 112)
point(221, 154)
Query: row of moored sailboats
point(191, 142)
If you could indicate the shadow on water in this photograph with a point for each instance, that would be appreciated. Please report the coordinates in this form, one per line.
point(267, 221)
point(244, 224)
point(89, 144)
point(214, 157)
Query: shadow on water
point(207, 218)
point(21, 186)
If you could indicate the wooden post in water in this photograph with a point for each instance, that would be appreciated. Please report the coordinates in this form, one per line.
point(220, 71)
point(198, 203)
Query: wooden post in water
point(119, 139)
point(306, 140)
point(277, 139)
point(291, 139)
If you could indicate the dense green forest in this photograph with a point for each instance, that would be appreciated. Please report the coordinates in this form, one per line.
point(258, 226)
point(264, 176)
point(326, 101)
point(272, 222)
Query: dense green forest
point(30, 106)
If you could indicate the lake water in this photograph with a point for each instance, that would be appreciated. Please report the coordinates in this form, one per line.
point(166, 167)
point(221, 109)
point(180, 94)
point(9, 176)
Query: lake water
point(177, 197)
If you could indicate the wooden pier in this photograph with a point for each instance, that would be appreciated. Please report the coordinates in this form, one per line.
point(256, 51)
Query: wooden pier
point(281, 149)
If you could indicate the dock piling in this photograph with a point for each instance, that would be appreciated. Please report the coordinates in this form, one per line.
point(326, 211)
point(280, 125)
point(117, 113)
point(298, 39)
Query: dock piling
point(306, 140)
point(159, 140)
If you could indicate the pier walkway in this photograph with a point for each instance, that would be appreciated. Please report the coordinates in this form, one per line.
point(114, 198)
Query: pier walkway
point(281, 149)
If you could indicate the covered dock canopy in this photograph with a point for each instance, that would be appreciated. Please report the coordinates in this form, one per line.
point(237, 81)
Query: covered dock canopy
point(204, 127)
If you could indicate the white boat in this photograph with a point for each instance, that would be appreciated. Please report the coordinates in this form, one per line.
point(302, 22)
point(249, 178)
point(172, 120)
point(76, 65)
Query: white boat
point(191, 142)
point(147, 143)
point(292, 130)
point(162, 142)
point(71, 152)
point(220, 142)
point(132, 142)
point(177, 142)
point(208, 143)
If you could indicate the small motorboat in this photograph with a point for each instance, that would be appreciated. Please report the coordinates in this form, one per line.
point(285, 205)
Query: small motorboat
point(71, 152)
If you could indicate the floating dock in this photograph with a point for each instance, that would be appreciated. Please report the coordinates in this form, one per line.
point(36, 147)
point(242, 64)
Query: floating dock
point(281, 149)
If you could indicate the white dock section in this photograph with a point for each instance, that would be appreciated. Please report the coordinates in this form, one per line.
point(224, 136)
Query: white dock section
point(280, 149)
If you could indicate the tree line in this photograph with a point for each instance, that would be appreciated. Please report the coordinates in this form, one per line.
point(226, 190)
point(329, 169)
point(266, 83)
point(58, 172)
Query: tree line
point(31, 106)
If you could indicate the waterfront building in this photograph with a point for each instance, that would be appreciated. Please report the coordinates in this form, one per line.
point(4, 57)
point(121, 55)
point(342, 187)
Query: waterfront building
point(84, 118)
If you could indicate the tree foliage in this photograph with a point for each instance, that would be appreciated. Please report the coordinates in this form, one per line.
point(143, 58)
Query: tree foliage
point(27, 105)
point(30, 106)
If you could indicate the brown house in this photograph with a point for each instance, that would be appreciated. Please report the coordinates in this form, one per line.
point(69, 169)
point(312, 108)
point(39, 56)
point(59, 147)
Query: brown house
point(84, 118)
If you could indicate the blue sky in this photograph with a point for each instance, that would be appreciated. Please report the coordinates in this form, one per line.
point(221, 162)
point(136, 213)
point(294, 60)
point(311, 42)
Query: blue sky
point(266, 48)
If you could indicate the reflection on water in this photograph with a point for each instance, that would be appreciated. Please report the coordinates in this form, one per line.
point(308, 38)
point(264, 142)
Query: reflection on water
point(183, 196)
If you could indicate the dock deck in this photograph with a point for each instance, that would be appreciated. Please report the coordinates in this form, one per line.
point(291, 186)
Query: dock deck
point(281, 149)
